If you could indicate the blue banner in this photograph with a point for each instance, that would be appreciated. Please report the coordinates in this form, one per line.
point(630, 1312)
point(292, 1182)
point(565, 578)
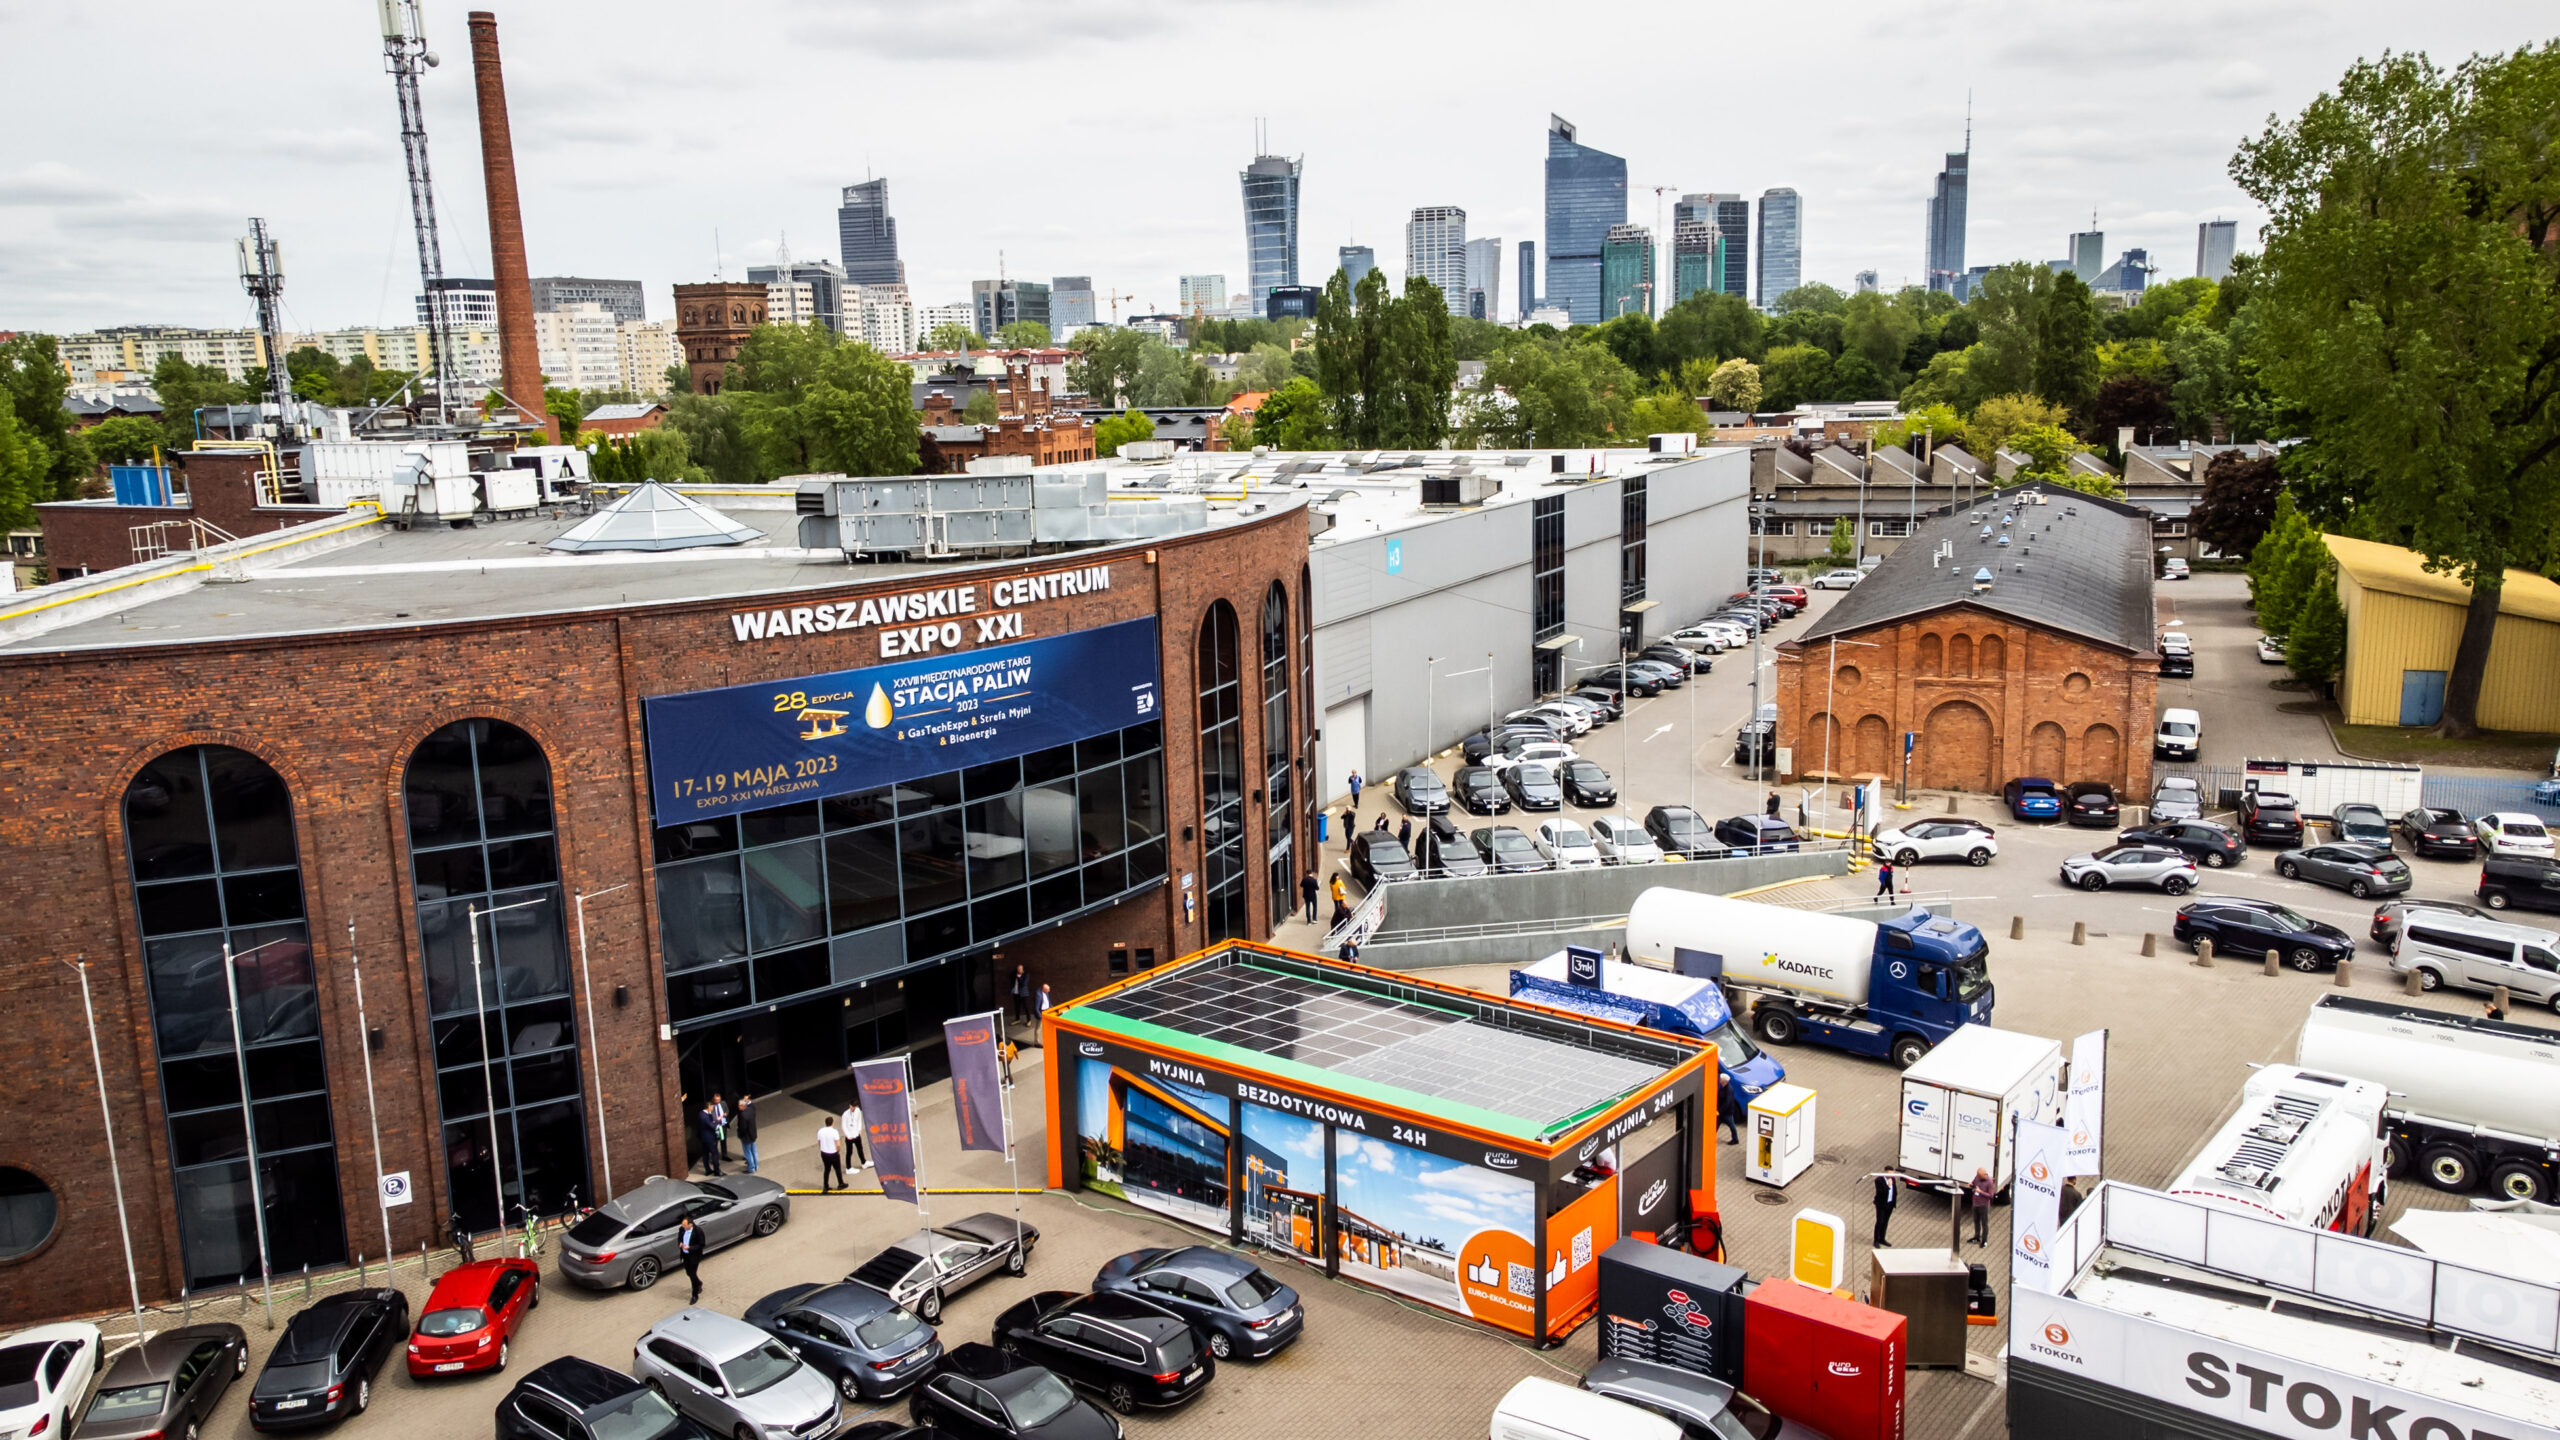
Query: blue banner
point(888, 1122)
point(744, 747)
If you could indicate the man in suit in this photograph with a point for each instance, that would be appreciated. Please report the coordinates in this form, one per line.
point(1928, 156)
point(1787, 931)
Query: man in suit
point(706, 1122)
point(689, 1255)
point(1888, 1195)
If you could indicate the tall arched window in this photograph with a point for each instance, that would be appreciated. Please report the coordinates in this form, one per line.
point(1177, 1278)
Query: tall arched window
point(1275, 748)
point(478, 795)
point(210, 831)
point(1311, 794)
point(1222, 863)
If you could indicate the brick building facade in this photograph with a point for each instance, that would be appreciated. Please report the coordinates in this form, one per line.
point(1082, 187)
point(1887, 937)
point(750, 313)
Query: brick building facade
point(712, 321)
point(341, 713)
point(222, 488)
point(1028, 425)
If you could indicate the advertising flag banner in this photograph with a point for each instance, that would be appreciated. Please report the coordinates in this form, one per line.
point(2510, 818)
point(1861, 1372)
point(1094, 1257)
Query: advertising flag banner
point(977, 1080)
point(2037, 1212)
point(888, 1123)
point(2084, 1108)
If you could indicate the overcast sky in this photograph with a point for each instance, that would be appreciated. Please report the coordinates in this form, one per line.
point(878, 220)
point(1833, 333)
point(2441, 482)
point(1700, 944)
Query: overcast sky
point(1103, 137)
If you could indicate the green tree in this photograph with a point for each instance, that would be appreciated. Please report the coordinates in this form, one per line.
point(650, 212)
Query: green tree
point(1541, 391)
point(1637, 343)
point(1880, 330)
point(810, 401)
point(566, 406)
point(2002, 416)
point(1947, 381)
point(2284, 567)
point(1940, 423)
point(1844, 540)
point(1825, 330)
point(25, 473)
point(2049, 449)
point(2144, 359)
point(715, 435)
point(1854, 377)
point(1167, 376)
point(1793, 375)
point(1474, 339)
point(1102, 363)
point(123, 439)
point(1295, 418)
point(1665, 412)
point(660, 454)
point(2201, 396)
point(2409, 305)
point(1118, 430)
point(1735, 385)
point(2316, 649)
point(950, 336)
point(1713, 327)
point(1419, 369)
point(1817, 297)
point(32, 376)
point(1024, 335)
point(2135, 402)
point(982, 408)
point(2066, 368)
point(184, 389)
point(1265, 367)
point(678, 379)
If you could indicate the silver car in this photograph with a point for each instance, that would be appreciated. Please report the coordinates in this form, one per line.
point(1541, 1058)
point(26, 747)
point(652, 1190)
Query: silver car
point(2136, 864)
point(2360, 870)
point(2175, 798)
point(735, 1378)
point(930, 1266)
point(631, 1239)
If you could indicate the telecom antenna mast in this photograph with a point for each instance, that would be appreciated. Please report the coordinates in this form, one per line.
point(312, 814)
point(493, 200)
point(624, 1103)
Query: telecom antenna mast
point(405, 54)
point(262, 272)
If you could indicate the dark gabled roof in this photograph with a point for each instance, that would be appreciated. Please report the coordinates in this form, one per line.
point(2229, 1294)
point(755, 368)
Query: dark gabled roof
point(2087, 569)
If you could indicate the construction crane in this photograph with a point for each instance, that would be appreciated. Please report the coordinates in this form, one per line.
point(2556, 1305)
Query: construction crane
point(1115, 306)
point(405, 55)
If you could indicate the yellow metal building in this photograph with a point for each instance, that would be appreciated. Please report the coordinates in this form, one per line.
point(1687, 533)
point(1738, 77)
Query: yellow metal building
point(2403, 625)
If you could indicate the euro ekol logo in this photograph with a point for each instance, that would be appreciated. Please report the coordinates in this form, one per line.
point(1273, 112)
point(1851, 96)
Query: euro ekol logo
point(1844, 1367)
point(1089, 1048)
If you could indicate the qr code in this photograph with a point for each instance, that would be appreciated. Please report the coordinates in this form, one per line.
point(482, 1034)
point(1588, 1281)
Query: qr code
point(1524, 1279)
point(1582, 1248)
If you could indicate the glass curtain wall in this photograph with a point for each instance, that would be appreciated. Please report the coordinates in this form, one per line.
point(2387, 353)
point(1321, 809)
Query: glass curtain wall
point(210, 832)
point(481, 837)
point(1222, 867)
point(1546, 588)
point(1275, 749)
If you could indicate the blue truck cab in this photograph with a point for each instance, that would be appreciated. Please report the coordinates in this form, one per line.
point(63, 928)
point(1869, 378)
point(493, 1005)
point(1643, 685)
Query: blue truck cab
point(1656, 999)
point(1930, 975)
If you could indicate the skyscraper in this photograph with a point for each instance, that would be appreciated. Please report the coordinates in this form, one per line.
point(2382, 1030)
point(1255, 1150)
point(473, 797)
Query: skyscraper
point(1271, 223)
point(1070, 303)
point(1781, 245)
point(1484, 278)
point(1528, 277)
point(1435, 248)
point(1946, 218)
point(1626, 272)
point(2088, 253)
point(998, 303)
point(1586, 194)
point(1866, 281)
point(2215, 240)
point(1731, 217)
point(1696, 258)
point(1356, 261)
point(867, 236)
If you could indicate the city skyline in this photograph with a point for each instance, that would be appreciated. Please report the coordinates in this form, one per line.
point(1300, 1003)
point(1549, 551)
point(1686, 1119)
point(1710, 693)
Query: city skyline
point(113, 216)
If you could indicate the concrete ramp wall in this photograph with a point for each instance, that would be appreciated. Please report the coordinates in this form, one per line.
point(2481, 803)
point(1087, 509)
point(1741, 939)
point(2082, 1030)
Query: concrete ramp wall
point(1510, 919)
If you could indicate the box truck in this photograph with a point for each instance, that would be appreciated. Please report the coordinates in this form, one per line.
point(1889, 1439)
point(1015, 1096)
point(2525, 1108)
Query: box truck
point(1885, 988)
point(1656, 999)
point(1959, 1101)
point(2305, 1147)
point(2469, 1098)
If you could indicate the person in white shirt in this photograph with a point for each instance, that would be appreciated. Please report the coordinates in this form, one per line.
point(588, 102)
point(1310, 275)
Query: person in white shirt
point(830, 1157)
point(851, 1123)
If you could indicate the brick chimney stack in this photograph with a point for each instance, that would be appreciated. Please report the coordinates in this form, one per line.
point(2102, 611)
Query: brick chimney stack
point(519, 358)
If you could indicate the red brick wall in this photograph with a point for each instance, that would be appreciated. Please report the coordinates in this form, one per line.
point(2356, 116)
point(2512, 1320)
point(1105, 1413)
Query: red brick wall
point(337, 716)
point(83, 537)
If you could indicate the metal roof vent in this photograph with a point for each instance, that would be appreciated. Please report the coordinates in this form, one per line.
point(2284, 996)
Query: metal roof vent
point(1982, 580)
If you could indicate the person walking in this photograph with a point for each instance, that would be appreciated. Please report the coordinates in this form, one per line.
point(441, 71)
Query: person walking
point(851, 1124)
point(1884, 879)
point(1888, 1195)
point(1341, 915)
point(720, 1116)
point(1404, 832)
point(689, 1255)
point(1350, 826)
point(1729, 1115)
point(1982, 1193)
point(1040, 1000)
point(746, 1123)
point(1355, 789)
point(1310, 889)
point(1773, 804)
point(830, 1156)
point(1341, 892)
point(1021, 996)
point(1382, 821)
point(707, 1122)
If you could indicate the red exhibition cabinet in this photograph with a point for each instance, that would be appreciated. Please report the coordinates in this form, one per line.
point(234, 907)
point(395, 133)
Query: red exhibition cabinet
point(1822, 1361)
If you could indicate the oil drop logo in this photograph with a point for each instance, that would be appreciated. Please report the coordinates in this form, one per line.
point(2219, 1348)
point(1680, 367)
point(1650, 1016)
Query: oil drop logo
point(876, 713)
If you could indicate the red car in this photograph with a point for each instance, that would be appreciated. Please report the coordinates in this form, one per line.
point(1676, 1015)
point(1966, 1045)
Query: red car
point(472, 1315)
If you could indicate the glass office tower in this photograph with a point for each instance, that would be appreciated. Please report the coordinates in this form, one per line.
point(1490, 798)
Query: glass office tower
point(1697, 258)
point(1781, 245)
point(1946, 220)
point(867, 236)
point(1271, 223)
point(1626, 272)
point(1355, 262)
point(1528, 277)
point(1586, 194)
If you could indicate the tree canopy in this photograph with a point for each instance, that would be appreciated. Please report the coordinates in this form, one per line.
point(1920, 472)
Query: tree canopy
point(1384, 363)
point(808, 400)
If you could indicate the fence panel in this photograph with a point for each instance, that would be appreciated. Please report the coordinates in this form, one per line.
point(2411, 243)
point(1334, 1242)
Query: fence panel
point(2478, 795)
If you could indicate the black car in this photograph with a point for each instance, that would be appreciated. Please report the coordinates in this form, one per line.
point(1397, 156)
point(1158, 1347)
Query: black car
point(575, 1399)
point(1478, 791)
point(1440, 848)
point(1586, 784)
point(1681, 831)
point(2259, 927)
point(1506, 851)
point(2215, 847)
point(322, 1367)
point(2177, 665)
point(1756, 743)
point(2431, 831)
point(1612, 704)
point(2270, 818)
point(869, 1344)
point(1756, 834)
point(2091, 802)
point(1669, 677)
point(1225, 1297)
point(1419, 791)
point(1680, 657)
point(1134, 1353)
point(981, 1394)
point(1378, 858)
point(1639, 684)
point(1533, 787)
point(2519, 880)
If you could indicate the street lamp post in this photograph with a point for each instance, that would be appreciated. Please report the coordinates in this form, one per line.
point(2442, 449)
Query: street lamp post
point(1760, 744)
point(115, 1167)
point(595, 1057)
point(1430, 706)
point(488, 1081)
point(249, 1113)
point(364, 1046)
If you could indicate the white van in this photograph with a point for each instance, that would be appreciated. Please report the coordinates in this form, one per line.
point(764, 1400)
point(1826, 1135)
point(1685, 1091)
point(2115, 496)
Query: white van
point(2181, 731)
point(1544, 1410)
point(2449, 948)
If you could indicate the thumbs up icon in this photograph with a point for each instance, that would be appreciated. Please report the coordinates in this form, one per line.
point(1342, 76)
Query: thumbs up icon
point(1485, 1274)
point(1557, 1272)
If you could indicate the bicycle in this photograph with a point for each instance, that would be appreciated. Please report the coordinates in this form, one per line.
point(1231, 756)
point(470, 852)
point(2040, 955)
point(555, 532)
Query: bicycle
point(461, 1237)
point(529, 1240)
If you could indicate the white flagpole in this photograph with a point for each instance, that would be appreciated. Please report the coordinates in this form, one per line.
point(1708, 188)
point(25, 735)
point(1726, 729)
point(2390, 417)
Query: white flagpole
point(915, 1132)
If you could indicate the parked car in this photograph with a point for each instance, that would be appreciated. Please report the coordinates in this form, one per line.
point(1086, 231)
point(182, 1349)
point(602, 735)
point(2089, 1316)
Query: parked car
point(1601, 712)
point(1699, 1405)
point(1756, 743)
point(1940, 837)
point(2178, 641)
point(631, 1239)
point(2173, 568)
point(2213, 846)
point(2175, 798)
point(1441, 849)
point(871, 1346)
point(2269, 817)
point(1586, 784)
point(166, 1386)
point(2519, 881)
point(1133, 1353)
point(2252, 928)
point(471, 1317)
point(930, 1266)
point(1663, 676)
point(1570, 722)
point(1530, 752)
point(1478, 791)
point(1681, 831)
point(1566, 845)
point(2360, 870)
point(2270, 650)
point(2169, 871)
point(1506, 851)
point(1622, 841)
point(322, 1366)
point(2032, 798)
point(2093, 802)
point(734, 1379)
point(1794, 595)
point(1756, 834)
point(1226, 1297)
point(2390, 915)
point(575, 1399)
point(2434, 831)
point(2505, 832)
point(2483, 955)
point(1533, 787)
point(2360, 824)
point(2178, 665)
point(1687, 661)
point(1763, 575)
point(1837, 579)
point(1420, 791)
point(1611, 701)
point(1639, 683)
point(982, 1394)
point(44, 1373)
point(2181, 731)
point(1484, 743)
point(1378, 858)
point(1714, 639)
point(1537, 724)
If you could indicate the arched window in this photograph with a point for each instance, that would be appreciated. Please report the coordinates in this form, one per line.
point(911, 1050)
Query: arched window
point(1310, 794)
point(1275, 747)
point(210, 833)
point(478, 796)
point(1222, 867)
